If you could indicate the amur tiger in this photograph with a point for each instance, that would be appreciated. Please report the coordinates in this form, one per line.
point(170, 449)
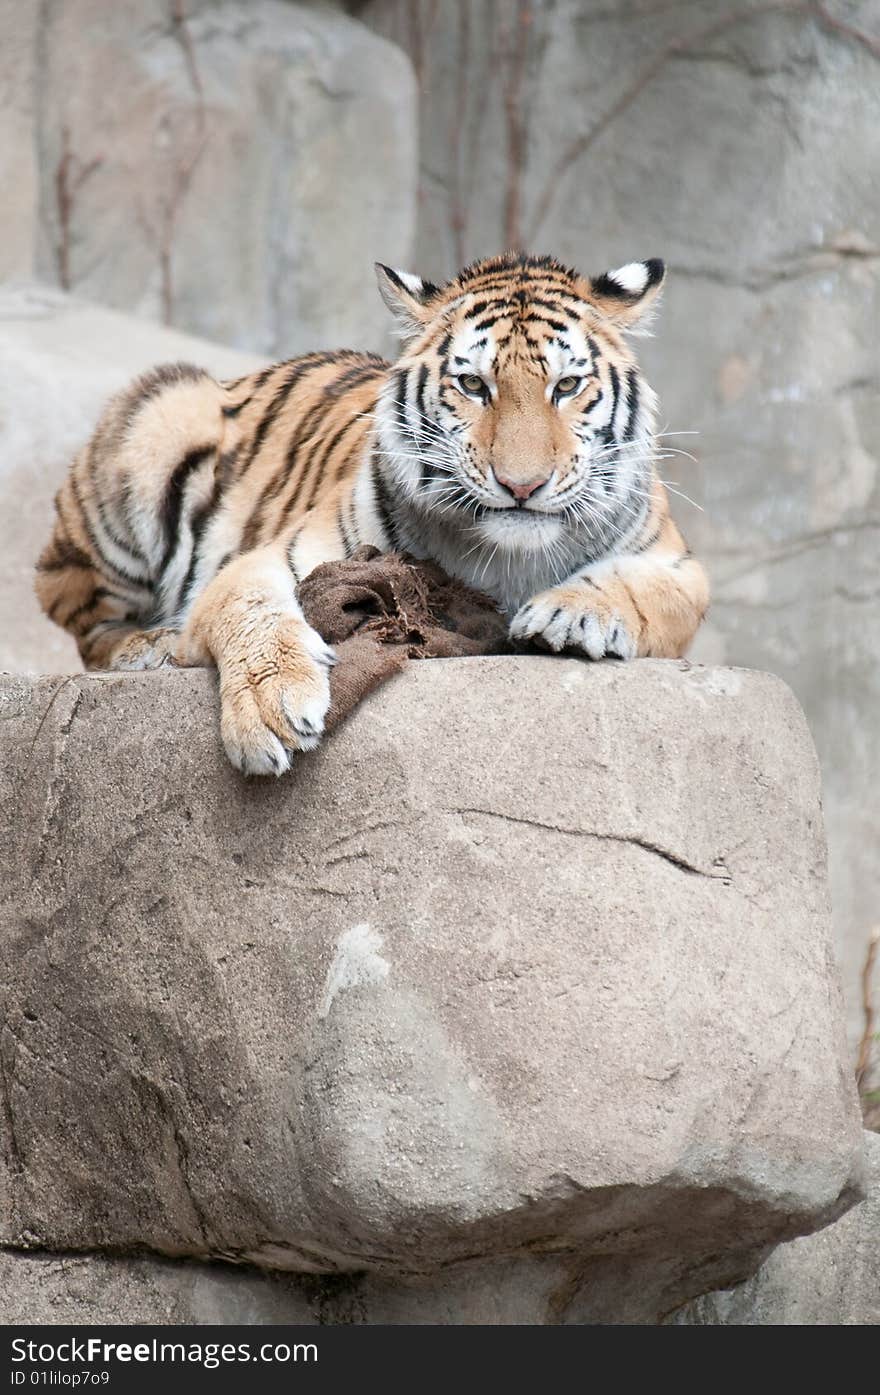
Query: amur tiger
point(513, 442)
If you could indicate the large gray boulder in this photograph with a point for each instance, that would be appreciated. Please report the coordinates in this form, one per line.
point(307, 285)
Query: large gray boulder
point(232, 169)
point(828, 1279)
point(60, 359)
point(740, 143)
point(530, 959)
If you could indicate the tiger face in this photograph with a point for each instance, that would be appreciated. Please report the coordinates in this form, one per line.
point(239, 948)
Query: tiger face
point(517, 413)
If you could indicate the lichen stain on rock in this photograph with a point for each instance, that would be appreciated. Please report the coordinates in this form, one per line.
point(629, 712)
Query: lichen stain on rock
point(357, 962)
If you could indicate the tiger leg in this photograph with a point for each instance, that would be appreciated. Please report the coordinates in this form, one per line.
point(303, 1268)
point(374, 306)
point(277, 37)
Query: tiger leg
point(644, 605)
point(273, 667)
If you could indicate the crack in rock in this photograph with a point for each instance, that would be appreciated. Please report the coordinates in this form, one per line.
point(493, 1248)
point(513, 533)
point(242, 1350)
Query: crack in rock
point(633, 840)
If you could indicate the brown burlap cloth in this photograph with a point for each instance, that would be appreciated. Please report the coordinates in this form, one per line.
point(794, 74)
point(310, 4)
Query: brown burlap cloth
point(381, 609)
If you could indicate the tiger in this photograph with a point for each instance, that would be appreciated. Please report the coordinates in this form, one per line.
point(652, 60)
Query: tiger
point(512, 441)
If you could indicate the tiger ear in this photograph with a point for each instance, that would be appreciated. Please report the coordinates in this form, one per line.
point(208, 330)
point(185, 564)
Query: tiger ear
point(406, 296)
point(628, 296)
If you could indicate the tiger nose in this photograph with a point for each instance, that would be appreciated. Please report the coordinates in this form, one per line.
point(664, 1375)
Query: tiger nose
point(521, 489)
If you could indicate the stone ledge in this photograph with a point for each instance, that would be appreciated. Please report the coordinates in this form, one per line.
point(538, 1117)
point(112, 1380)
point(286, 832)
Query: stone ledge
point(830, 1279)
point(531, 958)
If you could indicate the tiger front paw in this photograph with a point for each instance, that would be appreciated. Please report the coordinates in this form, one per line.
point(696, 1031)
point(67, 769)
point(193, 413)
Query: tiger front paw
point(274, 697)
point(579, 618)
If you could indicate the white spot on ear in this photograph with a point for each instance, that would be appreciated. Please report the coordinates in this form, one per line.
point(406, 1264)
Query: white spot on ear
point(414, 284)
point(357, 961)
point(631, 278)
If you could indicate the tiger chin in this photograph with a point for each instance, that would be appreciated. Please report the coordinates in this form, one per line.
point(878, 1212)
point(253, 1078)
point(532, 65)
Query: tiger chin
point(513, 442)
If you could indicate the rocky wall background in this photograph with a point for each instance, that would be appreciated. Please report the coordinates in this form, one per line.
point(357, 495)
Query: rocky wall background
point(230, 169)
point(233, 169)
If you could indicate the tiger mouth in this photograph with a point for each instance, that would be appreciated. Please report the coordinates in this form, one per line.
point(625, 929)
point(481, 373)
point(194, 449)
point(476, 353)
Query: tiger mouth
point(478, 509)
point(523, 511)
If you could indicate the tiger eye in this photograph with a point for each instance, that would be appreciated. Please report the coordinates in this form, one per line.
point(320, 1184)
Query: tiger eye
point(566, 386)
point(473, 383)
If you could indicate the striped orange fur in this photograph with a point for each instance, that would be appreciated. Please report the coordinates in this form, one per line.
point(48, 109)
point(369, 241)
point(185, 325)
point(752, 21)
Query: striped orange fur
point(512, 441)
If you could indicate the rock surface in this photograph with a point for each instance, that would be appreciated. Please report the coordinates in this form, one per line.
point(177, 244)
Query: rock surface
point(829, 1279)
point(469, 982)
point(232, 169)
point(738, 142)
point(534, 1290)
point(60, 359)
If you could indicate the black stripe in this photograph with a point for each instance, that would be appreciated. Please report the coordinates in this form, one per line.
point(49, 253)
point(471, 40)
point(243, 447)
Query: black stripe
point(290, 546)
point(428, 469)
point(607, 286)
point(426, 291)
point(382, 501)
point(593, 402)
point(257, 384)
point(449, 396)
point(198, 523)
point(276, 486)
point(651, 539)
point(172, 501)
point(632, 379)
point(280, 396)
point(316, 468)
point(153, 383)
point(251, 529)
point(361, 372)
point(137, 558)
point(538, 303)
point(290, 503)
point(521, 274)
point(343, 531)
point(401, 419)
point(615, 395)
point(503, 303)
point(65, 554)
point(104, 562)
point(226, 463)
point(127, 505)
point(420, 396)
point(99, 594)
point(352, 519)
point(200, 520)
point(311, 422)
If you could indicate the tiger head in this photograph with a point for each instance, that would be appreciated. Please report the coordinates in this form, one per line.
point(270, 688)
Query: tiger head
point(517, 412)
